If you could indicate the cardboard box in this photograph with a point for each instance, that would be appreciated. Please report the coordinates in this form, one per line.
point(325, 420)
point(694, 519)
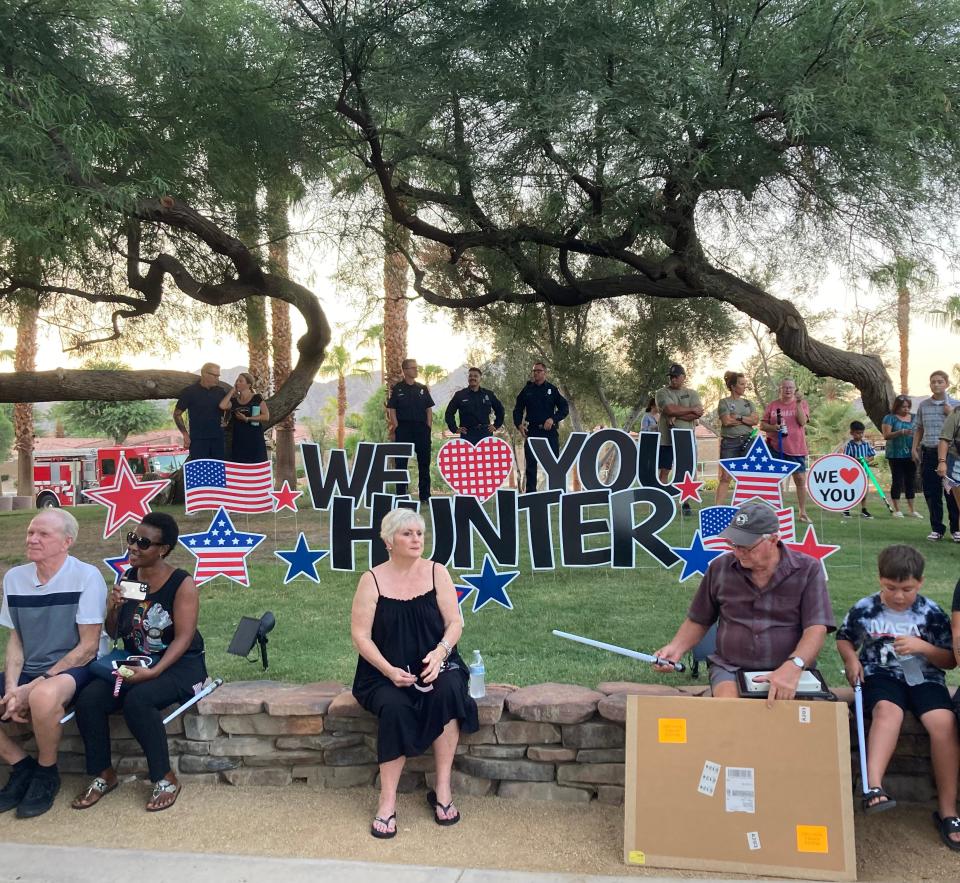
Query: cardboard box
point(731, 785)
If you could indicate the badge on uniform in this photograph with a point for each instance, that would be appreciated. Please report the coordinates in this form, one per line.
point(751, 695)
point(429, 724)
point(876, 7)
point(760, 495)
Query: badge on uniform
point(549, 392)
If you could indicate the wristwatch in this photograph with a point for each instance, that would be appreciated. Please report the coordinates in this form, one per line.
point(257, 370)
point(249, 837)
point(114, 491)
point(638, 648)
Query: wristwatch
point(798, 662)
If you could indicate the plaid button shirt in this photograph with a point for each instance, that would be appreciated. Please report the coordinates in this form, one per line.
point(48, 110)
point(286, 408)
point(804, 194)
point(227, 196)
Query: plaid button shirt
point(760, 629)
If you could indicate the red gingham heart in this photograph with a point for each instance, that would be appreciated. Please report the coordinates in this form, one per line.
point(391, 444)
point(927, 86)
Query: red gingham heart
point(475, 470)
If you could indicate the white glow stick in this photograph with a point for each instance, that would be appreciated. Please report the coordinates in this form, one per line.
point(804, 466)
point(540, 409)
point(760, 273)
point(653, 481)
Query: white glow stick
point(622, 651)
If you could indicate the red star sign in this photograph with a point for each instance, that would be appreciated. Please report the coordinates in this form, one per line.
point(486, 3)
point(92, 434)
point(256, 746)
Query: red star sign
point(285, 498)
point(689, 489)
point(126, 499)
point(812, 547)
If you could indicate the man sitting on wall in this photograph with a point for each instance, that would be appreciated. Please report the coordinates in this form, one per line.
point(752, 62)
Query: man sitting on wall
point(54, 608)
point(770, 603)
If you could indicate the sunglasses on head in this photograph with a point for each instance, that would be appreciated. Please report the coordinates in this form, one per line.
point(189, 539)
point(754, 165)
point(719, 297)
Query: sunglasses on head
point(140, 542)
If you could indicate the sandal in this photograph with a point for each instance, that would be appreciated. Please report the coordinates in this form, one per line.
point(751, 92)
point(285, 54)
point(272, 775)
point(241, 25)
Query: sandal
point(99, 787)
point(160, 789)
point(435, 805)
point(883, 801)
point(385, 835)
point(947, 826)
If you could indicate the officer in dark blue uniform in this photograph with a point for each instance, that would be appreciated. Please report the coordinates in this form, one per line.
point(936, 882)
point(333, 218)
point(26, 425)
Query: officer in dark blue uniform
point(410, 414)
point(545, 408)
point(474, 405)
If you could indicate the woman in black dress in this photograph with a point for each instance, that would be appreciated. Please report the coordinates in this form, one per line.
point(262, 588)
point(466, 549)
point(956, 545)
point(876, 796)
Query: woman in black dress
point(405, 624)
point(164, 626)
point(249, 445)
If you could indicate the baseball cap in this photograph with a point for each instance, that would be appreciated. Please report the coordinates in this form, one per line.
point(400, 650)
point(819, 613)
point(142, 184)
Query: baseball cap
point(676, 370)
point(753, 519)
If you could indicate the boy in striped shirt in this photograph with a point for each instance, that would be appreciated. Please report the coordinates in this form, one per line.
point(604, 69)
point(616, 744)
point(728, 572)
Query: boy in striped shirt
point(860, 449)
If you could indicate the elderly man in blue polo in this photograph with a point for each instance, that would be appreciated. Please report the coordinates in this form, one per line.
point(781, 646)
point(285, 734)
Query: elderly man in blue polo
point(770, 603)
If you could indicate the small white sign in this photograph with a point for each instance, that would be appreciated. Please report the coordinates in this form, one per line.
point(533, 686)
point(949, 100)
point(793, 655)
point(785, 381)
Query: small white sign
point(804, 714)
point(740, 789)
point(753, 840)
point(836, 482)
point(709, 778)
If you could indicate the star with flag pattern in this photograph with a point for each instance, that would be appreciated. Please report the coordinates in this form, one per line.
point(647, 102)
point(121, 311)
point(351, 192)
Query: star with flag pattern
point(697, 558)
point(302, 559)
point(221, 550)
point(285, 498)
point(689, 489)
point(758, 474)
point(126, 499)
point(119, 565)
point(490, 586)
point(814, 548)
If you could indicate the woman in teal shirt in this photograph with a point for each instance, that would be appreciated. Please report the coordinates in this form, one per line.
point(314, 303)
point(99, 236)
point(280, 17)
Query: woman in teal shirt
point(897, 428)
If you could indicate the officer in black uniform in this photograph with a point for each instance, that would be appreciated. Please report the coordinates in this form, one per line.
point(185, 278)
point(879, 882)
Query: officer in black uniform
point(474, 405)
point(545, 408)
point(410, 414)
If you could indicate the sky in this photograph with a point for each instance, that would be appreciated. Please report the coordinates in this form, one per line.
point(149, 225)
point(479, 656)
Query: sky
point(432, 339)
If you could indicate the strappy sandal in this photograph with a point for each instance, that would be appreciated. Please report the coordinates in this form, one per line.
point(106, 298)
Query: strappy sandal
point(388, 834)
point(159, 789)
point(883, 801)
point(99, 787)
point(436, 804)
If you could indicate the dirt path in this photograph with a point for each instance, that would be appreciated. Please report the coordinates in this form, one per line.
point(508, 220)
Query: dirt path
point(506, 834)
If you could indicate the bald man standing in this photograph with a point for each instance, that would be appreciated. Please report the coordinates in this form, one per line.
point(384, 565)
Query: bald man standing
point(201, 402)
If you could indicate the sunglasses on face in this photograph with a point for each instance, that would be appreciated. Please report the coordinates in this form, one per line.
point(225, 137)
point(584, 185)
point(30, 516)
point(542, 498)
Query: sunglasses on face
point(140, 542)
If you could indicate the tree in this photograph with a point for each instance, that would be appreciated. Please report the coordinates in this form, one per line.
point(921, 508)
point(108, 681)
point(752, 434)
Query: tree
point(564, 153)
point(116, 420)
point(120, 130)
point(906, 277)
point(342, 364)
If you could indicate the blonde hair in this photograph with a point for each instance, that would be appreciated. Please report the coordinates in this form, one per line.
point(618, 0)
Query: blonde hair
point(396, 520)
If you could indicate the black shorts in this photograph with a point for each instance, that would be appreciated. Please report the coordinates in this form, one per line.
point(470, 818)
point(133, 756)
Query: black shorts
point(81, 677)
point(919, 699)
point(665, 457)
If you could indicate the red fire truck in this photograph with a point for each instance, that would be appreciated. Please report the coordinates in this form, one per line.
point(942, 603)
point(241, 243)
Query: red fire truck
point(60, 479)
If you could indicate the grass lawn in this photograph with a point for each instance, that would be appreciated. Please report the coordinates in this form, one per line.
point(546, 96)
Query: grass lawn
point(639, 608)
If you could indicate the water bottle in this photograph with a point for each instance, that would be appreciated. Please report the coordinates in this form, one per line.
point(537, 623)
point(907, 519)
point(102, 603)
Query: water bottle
point(912, 668)
point(781, 426)
point(478, 676)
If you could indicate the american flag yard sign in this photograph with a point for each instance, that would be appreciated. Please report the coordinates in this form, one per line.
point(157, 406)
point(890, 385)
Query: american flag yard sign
point(758, 474)
point(221, 550)
point(237, 487)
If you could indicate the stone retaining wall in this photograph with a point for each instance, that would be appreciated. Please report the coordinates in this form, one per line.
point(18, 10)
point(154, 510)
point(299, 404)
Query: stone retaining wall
point(543, 742)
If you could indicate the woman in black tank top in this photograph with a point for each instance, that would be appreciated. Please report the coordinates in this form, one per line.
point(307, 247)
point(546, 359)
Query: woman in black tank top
point(405, 624)
point(163, 626)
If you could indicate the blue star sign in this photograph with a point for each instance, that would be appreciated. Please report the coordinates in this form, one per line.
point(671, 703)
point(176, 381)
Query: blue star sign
point(697, 558)
point(490, 586)
point(302, 559)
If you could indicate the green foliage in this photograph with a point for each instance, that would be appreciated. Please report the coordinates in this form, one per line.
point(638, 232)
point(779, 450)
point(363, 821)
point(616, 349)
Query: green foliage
point(6, 431)
point(829, 426)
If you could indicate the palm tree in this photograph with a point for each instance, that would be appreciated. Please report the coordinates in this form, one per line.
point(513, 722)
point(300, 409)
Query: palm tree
point(340, 363)
point(25, 358)
point(907, 277)
point(396, 238)
point(430, 374)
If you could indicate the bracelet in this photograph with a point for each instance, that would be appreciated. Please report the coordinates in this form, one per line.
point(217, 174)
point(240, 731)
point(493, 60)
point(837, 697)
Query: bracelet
point(446, 647)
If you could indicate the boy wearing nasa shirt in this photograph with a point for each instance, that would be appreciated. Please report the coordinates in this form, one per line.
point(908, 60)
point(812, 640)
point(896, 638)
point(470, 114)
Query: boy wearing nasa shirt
point(905, 644)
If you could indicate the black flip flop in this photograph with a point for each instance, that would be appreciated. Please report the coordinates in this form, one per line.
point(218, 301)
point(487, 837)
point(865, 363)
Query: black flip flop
point(434, 803)
point(385, 835)
point(881, 805)
point(946, 827)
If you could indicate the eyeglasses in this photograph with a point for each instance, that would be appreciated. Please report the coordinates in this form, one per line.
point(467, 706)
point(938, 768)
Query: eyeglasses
point(140, 542)
point(743, 549)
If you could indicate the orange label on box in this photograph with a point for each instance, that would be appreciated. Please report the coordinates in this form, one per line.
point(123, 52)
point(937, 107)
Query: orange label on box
point(672, 729)
point(812, 838)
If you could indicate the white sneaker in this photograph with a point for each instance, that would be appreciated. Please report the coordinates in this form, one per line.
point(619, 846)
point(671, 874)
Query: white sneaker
point(915, 515)
point(898, 514)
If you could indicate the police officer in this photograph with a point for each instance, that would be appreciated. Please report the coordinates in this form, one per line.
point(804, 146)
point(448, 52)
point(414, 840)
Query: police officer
point(474, 405)
point(545, 408)
point(410, 416)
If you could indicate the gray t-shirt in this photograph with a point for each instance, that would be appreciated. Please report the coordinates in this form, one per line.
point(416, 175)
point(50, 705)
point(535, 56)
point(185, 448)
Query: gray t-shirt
point(46, 616)
point(684, 397)
point(930, 416)
point(740, 407)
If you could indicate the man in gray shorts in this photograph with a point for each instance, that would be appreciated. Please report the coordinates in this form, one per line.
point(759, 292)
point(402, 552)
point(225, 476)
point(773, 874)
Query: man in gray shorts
point(770, 603)
point(54, 607)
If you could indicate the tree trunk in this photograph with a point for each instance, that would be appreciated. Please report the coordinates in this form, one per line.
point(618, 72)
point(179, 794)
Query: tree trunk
point(258, 342)
point(394, 300)
point(341, 410)
point(25, 358)
point(903, 333)
point(285, 457)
